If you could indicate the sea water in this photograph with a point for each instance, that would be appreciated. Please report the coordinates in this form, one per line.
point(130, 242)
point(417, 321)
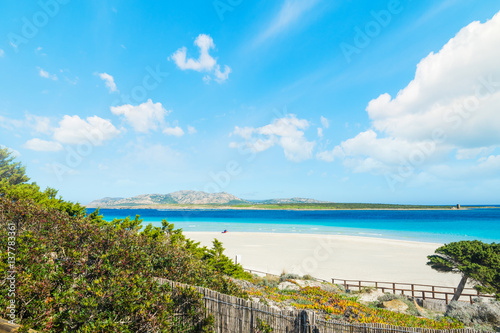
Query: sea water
point(439, 226)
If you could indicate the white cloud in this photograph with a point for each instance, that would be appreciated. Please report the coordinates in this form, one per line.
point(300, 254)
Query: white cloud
point(286, 132)
point(74, 130)
point(46, 74)
point(324, 122)
point(222, 76)
point(42, 145)
point(472, 153)
point(10, 124)
point(192, 130)
point(2, 53)
point(175, 131)
point(290, 12)
point(456, 90)
point(320, 132)
point(204, 63)
point(330, 156)
point(451, 104)
point(144, 117)
point(38, 123)
point(109, 81)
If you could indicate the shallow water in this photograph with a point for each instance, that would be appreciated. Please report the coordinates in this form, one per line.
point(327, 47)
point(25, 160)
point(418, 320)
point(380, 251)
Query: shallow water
point(416, 225)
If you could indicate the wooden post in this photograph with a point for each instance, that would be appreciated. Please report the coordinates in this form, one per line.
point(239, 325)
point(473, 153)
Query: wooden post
point(359, 285)
point(446, 294)
point(412, 290)
point(394, 288)
point(433, 292)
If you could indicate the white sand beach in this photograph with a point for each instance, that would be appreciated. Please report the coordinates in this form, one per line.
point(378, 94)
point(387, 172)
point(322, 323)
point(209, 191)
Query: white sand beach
point(332, 256)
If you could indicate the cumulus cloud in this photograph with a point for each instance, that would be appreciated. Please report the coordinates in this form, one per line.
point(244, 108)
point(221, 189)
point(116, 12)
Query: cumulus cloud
point(204, 63)
point(109, 81)
point(42, 145)
point(47, 75)
point(144, 117)
point(192, 130)
point(450, 105)
point(286, 132)
point(74, 130)
point(175, 131)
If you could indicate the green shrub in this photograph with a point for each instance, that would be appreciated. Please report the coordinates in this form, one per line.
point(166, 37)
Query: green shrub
point(288, 276)
point(479, 313)
point(74, 274)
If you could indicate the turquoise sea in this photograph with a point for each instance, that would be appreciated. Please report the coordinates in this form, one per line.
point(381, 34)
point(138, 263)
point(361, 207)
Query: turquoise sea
point(439, 226)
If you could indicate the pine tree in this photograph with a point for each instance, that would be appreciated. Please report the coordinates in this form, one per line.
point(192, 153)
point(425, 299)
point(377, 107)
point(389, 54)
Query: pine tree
point(475, 260)
point(10, 171)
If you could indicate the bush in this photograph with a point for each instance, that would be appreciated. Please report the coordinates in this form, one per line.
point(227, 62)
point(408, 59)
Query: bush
point(74, 274)
point(480, 313)
point(288, 276)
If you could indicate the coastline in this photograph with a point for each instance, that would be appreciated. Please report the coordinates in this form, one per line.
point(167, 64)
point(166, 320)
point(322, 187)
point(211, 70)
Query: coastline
point(195, 207)
point(332, 256)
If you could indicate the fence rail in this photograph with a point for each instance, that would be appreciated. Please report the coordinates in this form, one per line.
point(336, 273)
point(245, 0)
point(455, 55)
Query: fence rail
point(423, 291)
point(236, 315)
point(253, 271)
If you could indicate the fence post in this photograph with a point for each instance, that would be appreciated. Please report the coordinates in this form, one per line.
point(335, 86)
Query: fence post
point(394, 288)
point(433, 294)
point(412, 290)
point(251, 317)
point(446, 295)
point(359, 285)
point(304, 321)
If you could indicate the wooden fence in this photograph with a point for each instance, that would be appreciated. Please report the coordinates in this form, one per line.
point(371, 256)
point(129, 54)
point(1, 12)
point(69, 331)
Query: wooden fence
point(423, 291)
point(236, 315)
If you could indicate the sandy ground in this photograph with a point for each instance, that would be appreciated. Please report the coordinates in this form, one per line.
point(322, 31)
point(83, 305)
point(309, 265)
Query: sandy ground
point(332, 256)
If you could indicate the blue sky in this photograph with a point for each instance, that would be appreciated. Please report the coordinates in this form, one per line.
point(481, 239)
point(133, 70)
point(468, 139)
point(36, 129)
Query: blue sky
point(346, 101)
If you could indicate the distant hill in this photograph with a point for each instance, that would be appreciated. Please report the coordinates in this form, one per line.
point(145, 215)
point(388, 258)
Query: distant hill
point(188, 198)
point(290, 201)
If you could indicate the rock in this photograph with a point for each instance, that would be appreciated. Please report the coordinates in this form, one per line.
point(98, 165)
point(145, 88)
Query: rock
point(288, 285)
point(395, 305)
point(370, 296)
point(322, 285)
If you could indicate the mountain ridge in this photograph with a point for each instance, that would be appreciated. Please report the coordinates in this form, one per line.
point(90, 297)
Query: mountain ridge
point(188, 197)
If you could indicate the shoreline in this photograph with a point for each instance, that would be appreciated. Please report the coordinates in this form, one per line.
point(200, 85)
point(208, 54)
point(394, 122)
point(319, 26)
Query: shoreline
point(331, 256)
point(167, 208)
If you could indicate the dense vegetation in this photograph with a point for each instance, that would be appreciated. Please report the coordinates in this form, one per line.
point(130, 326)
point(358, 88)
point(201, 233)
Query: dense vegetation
point(78, 273)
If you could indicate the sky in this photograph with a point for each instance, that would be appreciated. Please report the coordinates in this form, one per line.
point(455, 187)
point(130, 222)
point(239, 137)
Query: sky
point(345, 101)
